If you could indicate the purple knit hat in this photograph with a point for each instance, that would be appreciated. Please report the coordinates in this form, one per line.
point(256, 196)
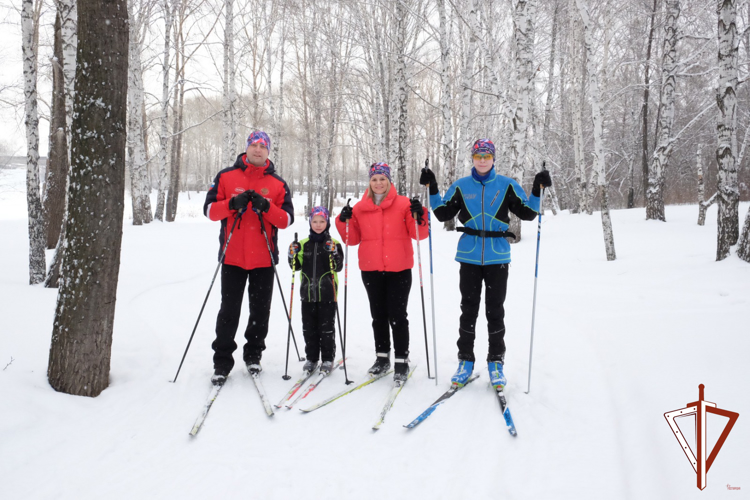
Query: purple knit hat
point(261, 137)
point(483, 146)
point(381, 168)
point(319, 211)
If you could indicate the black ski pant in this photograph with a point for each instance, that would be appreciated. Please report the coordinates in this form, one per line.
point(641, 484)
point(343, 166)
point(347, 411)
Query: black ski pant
point(389, 296)
point(318, 328)
point(259, 291)
point(495, 278)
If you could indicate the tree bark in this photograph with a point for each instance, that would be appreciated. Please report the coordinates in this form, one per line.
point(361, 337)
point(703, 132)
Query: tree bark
point(57, 159)
point(80, 352)
point(644, 106)
point(229, 98)
point(37, 240)
point(164, 117)
point(663, 150)
point(726, 99)
point(596, 116)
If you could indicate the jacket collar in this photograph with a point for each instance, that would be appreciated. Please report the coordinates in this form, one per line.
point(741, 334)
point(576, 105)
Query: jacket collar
point(243, 164)
point(490, 176)
point(370, 206)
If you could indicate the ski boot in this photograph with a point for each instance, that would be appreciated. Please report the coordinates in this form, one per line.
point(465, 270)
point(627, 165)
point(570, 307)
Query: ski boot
point(401, 370)
point(326, 367)
point(219, 376)
point(253, 366)
point(497, 377)
point(382, 364)
point(465, 369)
point(309, 366)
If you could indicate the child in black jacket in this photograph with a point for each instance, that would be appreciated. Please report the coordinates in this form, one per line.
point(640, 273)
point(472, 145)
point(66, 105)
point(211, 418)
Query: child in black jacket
point(319, 258)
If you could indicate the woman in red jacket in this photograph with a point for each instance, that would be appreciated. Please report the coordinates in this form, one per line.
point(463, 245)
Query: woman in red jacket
point(382, 224)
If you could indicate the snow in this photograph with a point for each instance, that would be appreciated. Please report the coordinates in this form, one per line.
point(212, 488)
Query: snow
point(617, 344)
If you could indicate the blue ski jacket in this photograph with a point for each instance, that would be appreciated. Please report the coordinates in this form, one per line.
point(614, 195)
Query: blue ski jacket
point(482, 204)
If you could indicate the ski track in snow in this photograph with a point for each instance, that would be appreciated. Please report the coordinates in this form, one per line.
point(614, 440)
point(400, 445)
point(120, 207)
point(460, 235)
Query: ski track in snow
point(616, 345)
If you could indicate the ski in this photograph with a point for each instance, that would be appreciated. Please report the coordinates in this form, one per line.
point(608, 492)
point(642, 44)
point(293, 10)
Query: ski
point(312, 385)
point(206, 407)
point(295, 388)
point(394, 392)
point(506, 412)
point(323, 403)
point(262, 394)
point(447, 394)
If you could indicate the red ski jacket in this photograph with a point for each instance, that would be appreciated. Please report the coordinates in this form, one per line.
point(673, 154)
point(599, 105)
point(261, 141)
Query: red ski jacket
point(247, 248)
point(385, 232)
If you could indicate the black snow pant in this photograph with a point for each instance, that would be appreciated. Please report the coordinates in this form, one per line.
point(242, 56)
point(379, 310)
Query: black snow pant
point(318, 328)
point(495, 278)
point(389, 296)
point(259, 291)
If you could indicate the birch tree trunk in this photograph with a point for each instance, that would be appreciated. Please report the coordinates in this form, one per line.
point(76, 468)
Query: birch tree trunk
point(726, 99)
point(229, 99)
point(37, 240)
point(401, 95)
point(69, 32)
point(164, 116)
point(702, 207)
point(596, 116)
point(139, 184)
point(57, 160)
point(523, 29)
point(644, 106)
point(448, 173)
point(577, 69)
point(175, 164)
point(79, 359)
point(660, 160)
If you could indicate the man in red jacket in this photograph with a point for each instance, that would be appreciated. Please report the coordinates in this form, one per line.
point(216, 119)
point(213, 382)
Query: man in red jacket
point(246, 190)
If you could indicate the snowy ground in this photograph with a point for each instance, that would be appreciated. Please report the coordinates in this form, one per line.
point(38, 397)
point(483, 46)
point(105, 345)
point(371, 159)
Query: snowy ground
point(617, 344)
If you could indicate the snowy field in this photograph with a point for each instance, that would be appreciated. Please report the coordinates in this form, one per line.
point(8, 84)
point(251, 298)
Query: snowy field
point(616, 345)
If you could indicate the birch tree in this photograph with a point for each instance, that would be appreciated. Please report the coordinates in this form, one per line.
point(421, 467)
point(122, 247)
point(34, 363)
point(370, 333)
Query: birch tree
point(596, 117)
point(663, 150)
point(726, 99)
point(164, 116)
point(140, 188)
point(79, 359)
point(401, 95)
point(229, 95)
point(29, 26)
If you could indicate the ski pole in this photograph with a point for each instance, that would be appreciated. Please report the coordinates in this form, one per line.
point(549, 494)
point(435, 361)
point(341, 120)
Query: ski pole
point(338, 317)
point(432, 278)
point(346, 273)
point(278, 281)
point(536, 274)
point(291, 305)
point(421, 291)
point(221, 259)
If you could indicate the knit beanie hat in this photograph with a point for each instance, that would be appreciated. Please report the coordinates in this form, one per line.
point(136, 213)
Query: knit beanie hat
point(261, 137)
point(381, 168)
point(483, 146)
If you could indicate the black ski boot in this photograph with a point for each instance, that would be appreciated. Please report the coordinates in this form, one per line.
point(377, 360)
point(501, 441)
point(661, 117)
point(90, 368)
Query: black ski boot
point(382, 364)
point(401, 370)
point(219, 376)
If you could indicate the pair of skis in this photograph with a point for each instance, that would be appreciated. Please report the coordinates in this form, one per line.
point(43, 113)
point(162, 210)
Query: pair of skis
point(216, 389)
point(389, 400)
point(453, 390)
point(287, 399)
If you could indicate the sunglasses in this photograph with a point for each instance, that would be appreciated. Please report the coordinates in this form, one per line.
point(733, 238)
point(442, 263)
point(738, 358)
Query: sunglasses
point(482, 157)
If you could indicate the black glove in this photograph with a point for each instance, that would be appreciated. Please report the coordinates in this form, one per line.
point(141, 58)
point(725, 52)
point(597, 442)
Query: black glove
point(346, 213)
point(240, 201)
point(541, 179)
point(428, 177)
point(417, 211)
point(259, 203)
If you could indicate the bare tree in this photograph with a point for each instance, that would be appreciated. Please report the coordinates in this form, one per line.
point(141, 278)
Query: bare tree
point(57, 159)
point(596, 116)
point(663, 150)
point(29, 29)
point(726, 99)
point(164, 116)
point(80, 351)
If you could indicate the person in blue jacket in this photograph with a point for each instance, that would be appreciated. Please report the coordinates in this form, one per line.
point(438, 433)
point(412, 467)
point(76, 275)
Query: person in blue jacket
point(483, 202)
